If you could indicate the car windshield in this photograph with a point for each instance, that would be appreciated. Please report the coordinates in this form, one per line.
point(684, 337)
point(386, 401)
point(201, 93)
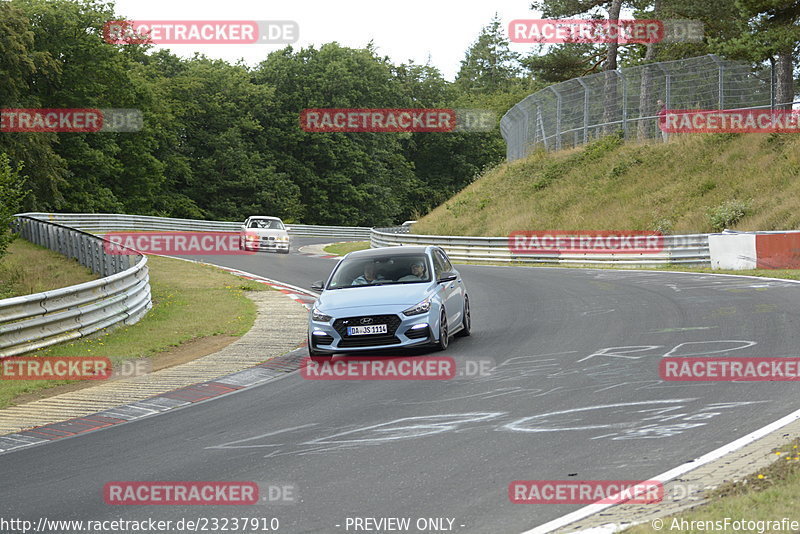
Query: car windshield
point(266, 224)
point(396, 269)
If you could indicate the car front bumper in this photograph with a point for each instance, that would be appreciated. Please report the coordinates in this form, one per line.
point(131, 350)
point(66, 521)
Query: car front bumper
point(402, 332)
point(267, 245)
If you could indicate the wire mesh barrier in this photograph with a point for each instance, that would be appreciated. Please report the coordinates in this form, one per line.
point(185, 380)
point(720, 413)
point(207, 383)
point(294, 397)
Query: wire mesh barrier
point(39, 320)
point(574, 112)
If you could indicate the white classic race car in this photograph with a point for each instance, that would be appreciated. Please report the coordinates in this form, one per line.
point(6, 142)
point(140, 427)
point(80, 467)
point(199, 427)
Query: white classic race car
point(264, 233)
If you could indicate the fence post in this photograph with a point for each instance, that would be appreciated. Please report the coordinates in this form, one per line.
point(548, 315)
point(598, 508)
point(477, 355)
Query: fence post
point(541, 125)
point(525, 140)
point(558, 117)
point(721, 82)
point(624, 103)
point(585, 110)
point(772, 84)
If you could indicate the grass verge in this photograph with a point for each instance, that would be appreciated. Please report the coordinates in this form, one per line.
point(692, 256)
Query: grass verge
point(770, 494)
point(340, 249)
point(693, 184)
point(29, 268)
point(193, 304)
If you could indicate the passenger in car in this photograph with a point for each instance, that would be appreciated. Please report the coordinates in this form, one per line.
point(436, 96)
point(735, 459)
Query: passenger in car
point(417, 273)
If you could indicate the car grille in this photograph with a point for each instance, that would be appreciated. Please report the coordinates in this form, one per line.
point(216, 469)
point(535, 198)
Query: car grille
point(369, 341)
point(391, 322)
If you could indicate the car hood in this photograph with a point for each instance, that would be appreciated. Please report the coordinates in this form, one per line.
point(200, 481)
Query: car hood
point(388, 295)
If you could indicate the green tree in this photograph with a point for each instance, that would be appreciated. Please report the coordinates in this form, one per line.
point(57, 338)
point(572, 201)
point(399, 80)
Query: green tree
point(489, 64)
point(20, 65)
point(344, 178)
point(11, 194)
point(770, 31)
point(564, 62)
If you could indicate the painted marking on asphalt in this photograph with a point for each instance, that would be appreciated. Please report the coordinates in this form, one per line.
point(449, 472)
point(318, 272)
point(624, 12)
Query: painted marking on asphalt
point(234, 444)
point(666, 476)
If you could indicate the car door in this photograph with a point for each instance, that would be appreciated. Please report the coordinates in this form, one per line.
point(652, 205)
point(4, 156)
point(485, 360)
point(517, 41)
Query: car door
point(452, 292)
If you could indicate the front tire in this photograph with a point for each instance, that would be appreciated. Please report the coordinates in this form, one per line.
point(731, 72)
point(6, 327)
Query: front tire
point(444, 333)
point(466, 322)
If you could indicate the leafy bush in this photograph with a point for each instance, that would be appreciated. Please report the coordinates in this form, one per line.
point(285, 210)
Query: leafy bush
point(599, 148)
point(727, 214)
point(663, 226)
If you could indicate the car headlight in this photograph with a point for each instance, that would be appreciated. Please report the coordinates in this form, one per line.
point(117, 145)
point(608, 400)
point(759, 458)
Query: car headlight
point(420, 307)
point(284, 238)
point(317, 315)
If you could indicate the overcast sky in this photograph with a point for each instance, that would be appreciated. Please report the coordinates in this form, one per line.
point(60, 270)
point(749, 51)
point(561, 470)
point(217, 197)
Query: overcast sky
point(402, 30)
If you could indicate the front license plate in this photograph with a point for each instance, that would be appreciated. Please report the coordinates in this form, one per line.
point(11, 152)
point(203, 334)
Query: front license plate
point(363, 330)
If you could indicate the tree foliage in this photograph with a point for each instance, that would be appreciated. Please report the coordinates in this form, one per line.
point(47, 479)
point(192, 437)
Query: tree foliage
point(11, 194)
point(223, 141)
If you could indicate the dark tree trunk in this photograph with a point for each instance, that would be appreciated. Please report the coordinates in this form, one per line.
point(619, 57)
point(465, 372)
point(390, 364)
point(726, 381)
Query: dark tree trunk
point(647, 105)
point(610, 105)
point(784, 90)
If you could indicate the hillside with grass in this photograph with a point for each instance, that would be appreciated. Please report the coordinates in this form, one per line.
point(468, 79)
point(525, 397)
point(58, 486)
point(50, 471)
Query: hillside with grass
point(693, 184)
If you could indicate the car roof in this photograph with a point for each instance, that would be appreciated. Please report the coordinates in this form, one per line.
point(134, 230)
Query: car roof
point(387, 251)
point(264, 217)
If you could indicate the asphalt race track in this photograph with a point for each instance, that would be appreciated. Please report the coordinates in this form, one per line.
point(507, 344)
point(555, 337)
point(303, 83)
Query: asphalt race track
point(575, 395)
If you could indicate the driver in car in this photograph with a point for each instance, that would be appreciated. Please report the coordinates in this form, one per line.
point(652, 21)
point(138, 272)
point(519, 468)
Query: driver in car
point(368, 277)
point(417, 272)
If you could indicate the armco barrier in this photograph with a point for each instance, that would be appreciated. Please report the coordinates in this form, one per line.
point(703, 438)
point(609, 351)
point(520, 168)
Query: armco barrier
point(122, 296)
point(678, 250)
point(101, 222)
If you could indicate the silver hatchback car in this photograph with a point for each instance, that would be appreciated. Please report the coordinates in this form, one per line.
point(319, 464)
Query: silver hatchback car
point(389, 298)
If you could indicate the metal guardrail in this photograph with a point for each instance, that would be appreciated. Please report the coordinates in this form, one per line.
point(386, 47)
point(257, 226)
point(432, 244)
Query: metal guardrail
point(122, 296)
point(99, 222)
point(678, 250)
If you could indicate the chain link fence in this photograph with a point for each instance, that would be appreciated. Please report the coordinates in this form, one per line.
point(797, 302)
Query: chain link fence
point(574, 112)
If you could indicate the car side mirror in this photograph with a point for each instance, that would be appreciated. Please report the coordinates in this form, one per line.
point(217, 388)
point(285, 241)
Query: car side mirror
point(447, 277)
point(318, 285)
